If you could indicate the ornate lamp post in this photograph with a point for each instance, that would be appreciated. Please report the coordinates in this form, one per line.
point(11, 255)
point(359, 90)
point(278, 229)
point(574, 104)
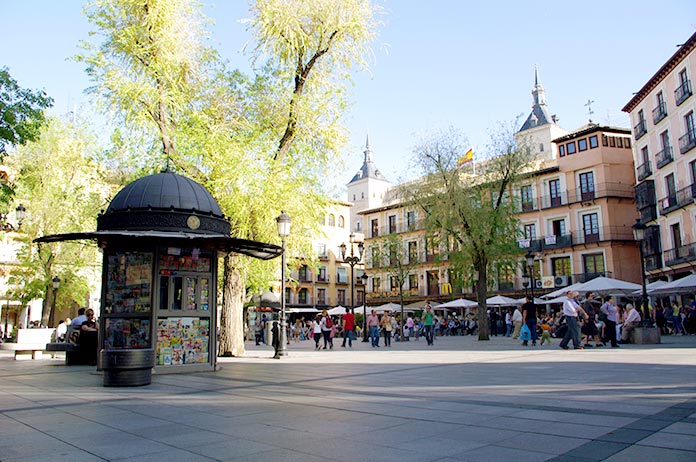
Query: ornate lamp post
point(51, 317)
point(364, 282)
point(20, 213)
point(639, 229)
point(353, 260)
point(525, 282)
point(283, 222)
point(529, 258)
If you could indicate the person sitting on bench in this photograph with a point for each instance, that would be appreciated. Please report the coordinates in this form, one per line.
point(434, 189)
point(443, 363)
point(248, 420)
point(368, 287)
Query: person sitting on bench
point(88, 338)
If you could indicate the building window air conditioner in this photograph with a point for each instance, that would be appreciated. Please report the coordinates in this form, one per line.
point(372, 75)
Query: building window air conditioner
point(560, 281)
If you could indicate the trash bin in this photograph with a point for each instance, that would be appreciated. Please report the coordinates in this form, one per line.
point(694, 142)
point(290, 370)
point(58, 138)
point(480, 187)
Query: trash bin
point(127, 368)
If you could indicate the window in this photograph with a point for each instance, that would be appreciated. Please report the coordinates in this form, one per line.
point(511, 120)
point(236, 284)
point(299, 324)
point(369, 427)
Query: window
point(590, 227)
point(558, 227)
point(671, 188)
point(341, 222)
point(321, 250)
point(341, 276)
point(332, 220)
point(527, 198)
point(560, 266)
point(593, 142)
point(645, 155)
point(593, 265)
point(303, 297)
point(393, 283)
point(627, 143)
point(376, 284)
point(530, 231)
point(303, 273)
point(375, 228)
point(664, 139)
point(684, 90)
point(413, 281)
point(605, 140)
point(555, 192)
point(375, 257)
point(561, 150)
point(321, 277)
point(582, 144)
point(587, 189)
point(570, 148)
point(392, 224)
point(353, 197)
point(676, 235)
point(541, 147)
point(619, 143)
point(612, 141)
point(411, 220)
point(321, 296)
point(358, 226)
point(412, 252)
point(692, 168)
point(341, 296)
point(360, 296)
point(362, 195)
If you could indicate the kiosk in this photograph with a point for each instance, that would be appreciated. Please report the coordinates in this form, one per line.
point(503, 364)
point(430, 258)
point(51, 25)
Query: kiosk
point(161, 236)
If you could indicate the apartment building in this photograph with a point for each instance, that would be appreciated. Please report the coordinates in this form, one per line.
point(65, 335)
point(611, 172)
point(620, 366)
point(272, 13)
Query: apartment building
point(328, 284)
point(576, 214)
point(664, 150)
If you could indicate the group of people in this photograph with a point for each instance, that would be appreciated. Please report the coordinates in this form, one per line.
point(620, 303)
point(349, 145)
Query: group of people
point(676, 319)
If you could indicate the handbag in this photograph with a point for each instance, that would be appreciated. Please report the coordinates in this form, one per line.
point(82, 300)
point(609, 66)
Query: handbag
point(525, 333)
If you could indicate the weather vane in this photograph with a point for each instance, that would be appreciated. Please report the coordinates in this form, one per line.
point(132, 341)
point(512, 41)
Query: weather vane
point(589, 108)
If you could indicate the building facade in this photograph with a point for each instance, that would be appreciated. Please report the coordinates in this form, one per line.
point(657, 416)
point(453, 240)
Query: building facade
point(664, 150)
point(576, 211)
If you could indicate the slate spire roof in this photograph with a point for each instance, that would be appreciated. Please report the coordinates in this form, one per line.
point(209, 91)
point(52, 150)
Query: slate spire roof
point(368, 169)
point(540, 114)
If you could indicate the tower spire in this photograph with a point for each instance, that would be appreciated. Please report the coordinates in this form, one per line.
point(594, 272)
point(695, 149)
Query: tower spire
point(368, 151)
point(538, 92)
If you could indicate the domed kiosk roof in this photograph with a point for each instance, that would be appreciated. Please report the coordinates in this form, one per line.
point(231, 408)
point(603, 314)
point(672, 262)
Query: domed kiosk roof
point(165, 190)
point(167, 206)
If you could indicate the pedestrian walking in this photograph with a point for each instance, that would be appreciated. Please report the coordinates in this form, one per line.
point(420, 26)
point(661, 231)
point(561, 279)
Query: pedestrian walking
point(428, 321)
point(373, 326)
point(571, 311)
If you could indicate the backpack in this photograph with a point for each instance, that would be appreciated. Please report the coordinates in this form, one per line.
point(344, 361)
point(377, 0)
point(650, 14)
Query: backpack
point(329, 321)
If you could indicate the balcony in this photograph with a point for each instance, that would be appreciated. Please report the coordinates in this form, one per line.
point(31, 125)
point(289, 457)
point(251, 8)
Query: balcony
point(682, 254)
point(682, 92)
point(679, 199)
point(529, 205)
point(605, 233)
point(556, 242)
point(557, 200)
point(644, 171)
point(659, 113)
point(664, 157)
point(323, 279)
point(687, 142)
point(640, 129)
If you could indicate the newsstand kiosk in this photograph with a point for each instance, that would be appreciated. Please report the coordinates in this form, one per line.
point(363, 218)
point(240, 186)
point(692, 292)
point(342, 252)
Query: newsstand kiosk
point(161, 236)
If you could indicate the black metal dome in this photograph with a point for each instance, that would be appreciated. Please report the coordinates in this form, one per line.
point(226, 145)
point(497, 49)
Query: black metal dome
point(164, 202)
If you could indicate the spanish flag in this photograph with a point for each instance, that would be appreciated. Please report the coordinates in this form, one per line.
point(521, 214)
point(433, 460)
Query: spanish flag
point(467, 157)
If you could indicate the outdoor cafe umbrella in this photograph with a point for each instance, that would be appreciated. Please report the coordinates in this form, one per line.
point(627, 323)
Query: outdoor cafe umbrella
point(651, 287)
point(537, 301)
point(563, 290)
point(391, 307)
point(337, 311)
point(684, 285)
point(419, 305)
point(608, 286)
point(459, 303)
point(501, 300)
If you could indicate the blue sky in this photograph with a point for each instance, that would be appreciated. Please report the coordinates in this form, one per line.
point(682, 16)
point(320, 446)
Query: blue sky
point(437, 64)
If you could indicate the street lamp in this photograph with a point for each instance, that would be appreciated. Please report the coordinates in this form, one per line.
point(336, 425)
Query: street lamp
point(283, 222)
point(529, 257)
point(353, 260)
point(639, 229)
point(364, 282)
point(51, 317)
point(525, 282)
point(20, 213)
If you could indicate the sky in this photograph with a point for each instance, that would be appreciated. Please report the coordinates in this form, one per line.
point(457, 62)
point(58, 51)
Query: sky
point(441, 63)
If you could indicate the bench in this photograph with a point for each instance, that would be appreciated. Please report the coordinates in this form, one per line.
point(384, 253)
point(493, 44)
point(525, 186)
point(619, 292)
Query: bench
point(29, 342)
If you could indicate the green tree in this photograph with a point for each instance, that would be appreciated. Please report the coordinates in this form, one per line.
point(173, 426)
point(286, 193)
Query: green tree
point(389, 255)
point(21, 119)
point(473, 212)
point(62, 190)
point(223, 129)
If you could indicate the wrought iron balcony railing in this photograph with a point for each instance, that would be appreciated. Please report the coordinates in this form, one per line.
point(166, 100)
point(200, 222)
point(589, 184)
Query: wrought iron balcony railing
point(640, 129)
point(687, 142)
point(644, 171)
point(664, 157)
point(659, 113)
point(682, 92)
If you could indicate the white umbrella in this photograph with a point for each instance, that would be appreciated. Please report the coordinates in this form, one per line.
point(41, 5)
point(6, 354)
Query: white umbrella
point(302, 310)
point(680, 286)
point(419, 305)
point(337, 311)
point(458, 303)
point(537, 301)
point(387, 307)
point(560, 299)
point(501, 300)
point(608, 286)
point(562, 290)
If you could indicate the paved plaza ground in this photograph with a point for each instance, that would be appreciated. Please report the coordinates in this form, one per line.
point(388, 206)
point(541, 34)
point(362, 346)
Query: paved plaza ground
point(460, 400)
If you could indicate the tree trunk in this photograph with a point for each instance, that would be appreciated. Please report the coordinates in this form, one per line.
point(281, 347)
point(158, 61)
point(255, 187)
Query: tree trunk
point(46, 308)
point(232, 310)
point(481, 292)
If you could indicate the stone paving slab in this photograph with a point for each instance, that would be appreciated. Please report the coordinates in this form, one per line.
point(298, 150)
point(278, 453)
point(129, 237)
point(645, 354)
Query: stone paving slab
point(460, 400)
